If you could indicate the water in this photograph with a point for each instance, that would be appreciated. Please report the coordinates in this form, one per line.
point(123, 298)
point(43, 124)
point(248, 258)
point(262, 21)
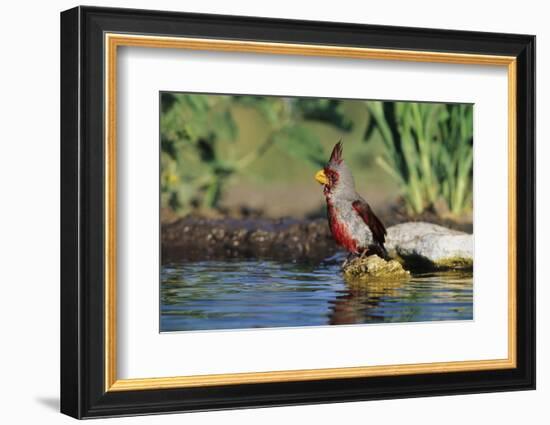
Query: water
point(240, 294)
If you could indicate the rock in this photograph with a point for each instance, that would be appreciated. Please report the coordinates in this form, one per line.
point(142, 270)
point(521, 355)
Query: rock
point(429, 246)
point(374, 268)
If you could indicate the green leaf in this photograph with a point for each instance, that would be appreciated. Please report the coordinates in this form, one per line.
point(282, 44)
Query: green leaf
point(224, 126)
point(328, 111)
point(301, 143)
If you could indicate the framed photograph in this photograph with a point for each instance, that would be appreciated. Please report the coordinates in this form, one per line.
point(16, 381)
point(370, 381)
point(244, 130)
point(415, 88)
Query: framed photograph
point(261, 212)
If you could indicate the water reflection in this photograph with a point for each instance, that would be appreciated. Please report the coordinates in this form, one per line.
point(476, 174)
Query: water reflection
point(251, 294)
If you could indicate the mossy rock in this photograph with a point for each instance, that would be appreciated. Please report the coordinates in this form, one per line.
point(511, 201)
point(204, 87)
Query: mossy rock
point(427, 246)
point(374, 268)
point(454, 263)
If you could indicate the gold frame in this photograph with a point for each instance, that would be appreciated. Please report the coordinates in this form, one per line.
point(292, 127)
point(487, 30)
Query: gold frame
point(113, 41)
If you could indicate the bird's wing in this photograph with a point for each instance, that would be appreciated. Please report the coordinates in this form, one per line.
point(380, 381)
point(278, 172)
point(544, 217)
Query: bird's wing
point(375, 225)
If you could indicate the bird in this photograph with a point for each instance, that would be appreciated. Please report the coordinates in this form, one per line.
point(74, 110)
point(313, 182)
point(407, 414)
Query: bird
point(353, 224)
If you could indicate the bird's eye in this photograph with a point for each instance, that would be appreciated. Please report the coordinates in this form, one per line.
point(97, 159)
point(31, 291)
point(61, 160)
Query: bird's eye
point(332, 177)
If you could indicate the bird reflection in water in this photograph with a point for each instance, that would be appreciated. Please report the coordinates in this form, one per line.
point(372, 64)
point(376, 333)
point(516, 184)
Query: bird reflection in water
point(360, 302)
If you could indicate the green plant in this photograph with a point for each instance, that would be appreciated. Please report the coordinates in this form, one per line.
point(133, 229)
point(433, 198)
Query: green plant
point(198, 134)
point(428, 150)
point(192, 170)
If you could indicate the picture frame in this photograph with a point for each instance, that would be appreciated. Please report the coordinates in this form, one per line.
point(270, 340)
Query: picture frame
point(90, 40)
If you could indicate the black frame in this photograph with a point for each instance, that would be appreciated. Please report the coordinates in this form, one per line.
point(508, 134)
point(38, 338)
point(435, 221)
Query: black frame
point(82, 220)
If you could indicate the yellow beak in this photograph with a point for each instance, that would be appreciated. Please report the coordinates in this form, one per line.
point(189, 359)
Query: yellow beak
point(321, 177)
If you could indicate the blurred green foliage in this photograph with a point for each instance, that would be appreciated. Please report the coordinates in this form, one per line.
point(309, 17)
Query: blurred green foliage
point(211, 141)
point(198, 132)
point(428, 151)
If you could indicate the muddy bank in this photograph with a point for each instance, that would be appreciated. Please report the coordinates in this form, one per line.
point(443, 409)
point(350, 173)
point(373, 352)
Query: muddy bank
point(418, 245)
point(196, 239)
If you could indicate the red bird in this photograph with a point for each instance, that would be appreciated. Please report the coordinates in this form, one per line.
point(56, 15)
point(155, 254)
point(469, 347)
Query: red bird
point(352, 223)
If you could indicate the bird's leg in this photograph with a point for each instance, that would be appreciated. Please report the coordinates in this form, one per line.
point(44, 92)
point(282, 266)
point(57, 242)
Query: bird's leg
point(363, 253)
point(347, 260)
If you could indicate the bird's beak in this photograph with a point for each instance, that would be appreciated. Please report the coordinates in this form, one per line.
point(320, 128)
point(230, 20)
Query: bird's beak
point(321, 177)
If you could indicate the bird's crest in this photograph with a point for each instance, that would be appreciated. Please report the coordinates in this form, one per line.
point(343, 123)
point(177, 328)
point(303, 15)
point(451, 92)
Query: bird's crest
point(336, 155)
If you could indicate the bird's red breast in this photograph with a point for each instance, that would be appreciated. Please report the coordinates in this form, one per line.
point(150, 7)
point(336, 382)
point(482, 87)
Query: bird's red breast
point(340, 231)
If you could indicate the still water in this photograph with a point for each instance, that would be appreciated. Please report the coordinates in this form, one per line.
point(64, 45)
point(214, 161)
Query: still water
point(257, 294)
